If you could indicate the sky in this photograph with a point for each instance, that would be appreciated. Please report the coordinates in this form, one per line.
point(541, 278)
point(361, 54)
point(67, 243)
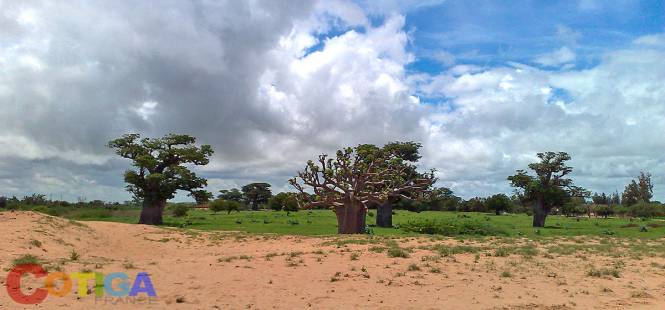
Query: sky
point(483, 85)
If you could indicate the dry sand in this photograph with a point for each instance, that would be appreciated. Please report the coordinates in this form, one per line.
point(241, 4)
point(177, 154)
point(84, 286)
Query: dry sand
point(216, 270)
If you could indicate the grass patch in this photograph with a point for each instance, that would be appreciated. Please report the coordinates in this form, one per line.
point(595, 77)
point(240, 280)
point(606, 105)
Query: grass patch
point(25, 260)
point(397, 252)
point(455, 227)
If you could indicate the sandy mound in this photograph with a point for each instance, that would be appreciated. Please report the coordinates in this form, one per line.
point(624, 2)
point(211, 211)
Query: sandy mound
point(216, 270)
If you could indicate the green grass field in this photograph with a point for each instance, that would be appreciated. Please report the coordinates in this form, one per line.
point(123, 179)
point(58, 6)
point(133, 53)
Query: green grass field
point(323, 222)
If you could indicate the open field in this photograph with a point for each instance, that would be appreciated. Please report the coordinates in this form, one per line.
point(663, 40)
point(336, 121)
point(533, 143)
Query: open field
point(197, 269)
point(323, 222)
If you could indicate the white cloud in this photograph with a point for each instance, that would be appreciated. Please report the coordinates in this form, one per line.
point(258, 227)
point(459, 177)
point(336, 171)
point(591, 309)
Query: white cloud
point(558, 57)
point(270, 86)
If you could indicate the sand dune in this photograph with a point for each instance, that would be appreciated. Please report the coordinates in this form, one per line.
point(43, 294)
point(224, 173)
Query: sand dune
point(222, 270)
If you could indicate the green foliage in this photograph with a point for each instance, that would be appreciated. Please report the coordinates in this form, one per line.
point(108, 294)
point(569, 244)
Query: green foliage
point(180, 210)
point(25, 260)
point(201, 196)
point(550, 186)
point(216, 205)
point(160, 166)
point(646, 210)
point(256, 194)
point(640, 190)
point(452, 227)
point(396, 251)
point(604, 210)
point(441, 199)
point(283, 201)
point(232, 194)
point(499, 203)
point(225, 205)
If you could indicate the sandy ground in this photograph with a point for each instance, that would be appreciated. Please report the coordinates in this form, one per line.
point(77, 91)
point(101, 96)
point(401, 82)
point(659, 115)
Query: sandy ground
point(204, 270)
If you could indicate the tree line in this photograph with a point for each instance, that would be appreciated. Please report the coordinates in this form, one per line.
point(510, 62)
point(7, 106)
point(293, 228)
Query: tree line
point(360, 178)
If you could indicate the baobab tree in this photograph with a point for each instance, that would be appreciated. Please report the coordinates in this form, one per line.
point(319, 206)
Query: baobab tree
point(160, 170)
point(549, 188)
point(407, 182)
point(351, 180)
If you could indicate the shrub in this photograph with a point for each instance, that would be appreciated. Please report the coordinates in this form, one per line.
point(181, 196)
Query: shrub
point(461, 226)
point(646, 210)
point(604, 210)
point(180, 210)
point(397, 252)
point(217, 205)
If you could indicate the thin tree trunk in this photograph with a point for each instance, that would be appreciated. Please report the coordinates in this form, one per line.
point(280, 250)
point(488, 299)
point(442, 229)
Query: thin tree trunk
point(351, 218)
point(384, 215)
point(539, 214)
point(152, 212)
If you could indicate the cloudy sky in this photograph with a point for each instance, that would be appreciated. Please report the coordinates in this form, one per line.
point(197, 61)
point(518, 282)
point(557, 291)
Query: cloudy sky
point(482, 84)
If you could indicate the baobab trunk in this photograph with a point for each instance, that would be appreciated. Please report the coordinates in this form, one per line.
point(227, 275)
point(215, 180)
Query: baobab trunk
point(351, 218)
point(384, 214)
point(539, 214)
point(151, 213)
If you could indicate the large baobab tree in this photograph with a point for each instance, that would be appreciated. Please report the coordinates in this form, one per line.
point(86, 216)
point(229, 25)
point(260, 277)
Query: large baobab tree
point(160, 170)
point(351, 180)
point(406, 182)
point(550, 186)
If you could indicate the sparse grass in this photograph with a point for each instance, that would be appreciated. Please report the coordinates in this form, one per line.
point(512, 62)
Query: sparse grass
point(601, 272)
point(25, 260)
point(413, 267)
point(73, 255)
point(377, 249)
point(506, 274)
point(397, 252)
point(36, 243)
point(355, 256)
point(128, 265)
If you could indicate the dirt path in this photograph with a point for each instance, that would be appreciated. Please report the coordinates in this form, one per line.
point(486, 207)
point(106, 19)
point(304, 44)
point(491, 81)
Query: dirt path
point(193, 270)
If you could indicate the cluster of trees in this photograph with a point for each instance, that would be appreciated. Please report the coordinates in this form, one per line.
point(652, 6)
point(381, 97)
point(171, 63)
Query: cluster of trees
point(253, 196)
point(35, 199)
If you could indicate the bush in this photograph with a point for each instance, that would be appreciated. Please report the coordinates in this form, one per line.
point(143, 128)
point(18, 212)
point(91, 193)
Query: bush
point(453, 227)
point(646, 210)
point(604, 210)
point(217, 205)
point(283, 201)
point(180, 210)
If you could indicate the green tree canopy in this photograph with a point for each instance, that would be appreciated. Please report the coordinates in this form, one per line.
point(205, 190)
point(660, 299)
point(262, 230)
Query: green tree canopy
point(638, 190)
point(160, 170)
point(256, 194)
point(231, 194)
point(550, 186)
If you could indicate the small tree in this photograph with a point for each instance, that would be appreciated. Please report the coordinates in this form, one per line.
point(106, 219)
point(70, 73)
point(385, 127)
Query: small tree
point(548, 188)
point(201, 196)
point(180, 210)
point(256, 194)
point(499, 203)
point(640, 190)
point(284, 201)
point(160, 170)
point(216, 205)
point(232, 205)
